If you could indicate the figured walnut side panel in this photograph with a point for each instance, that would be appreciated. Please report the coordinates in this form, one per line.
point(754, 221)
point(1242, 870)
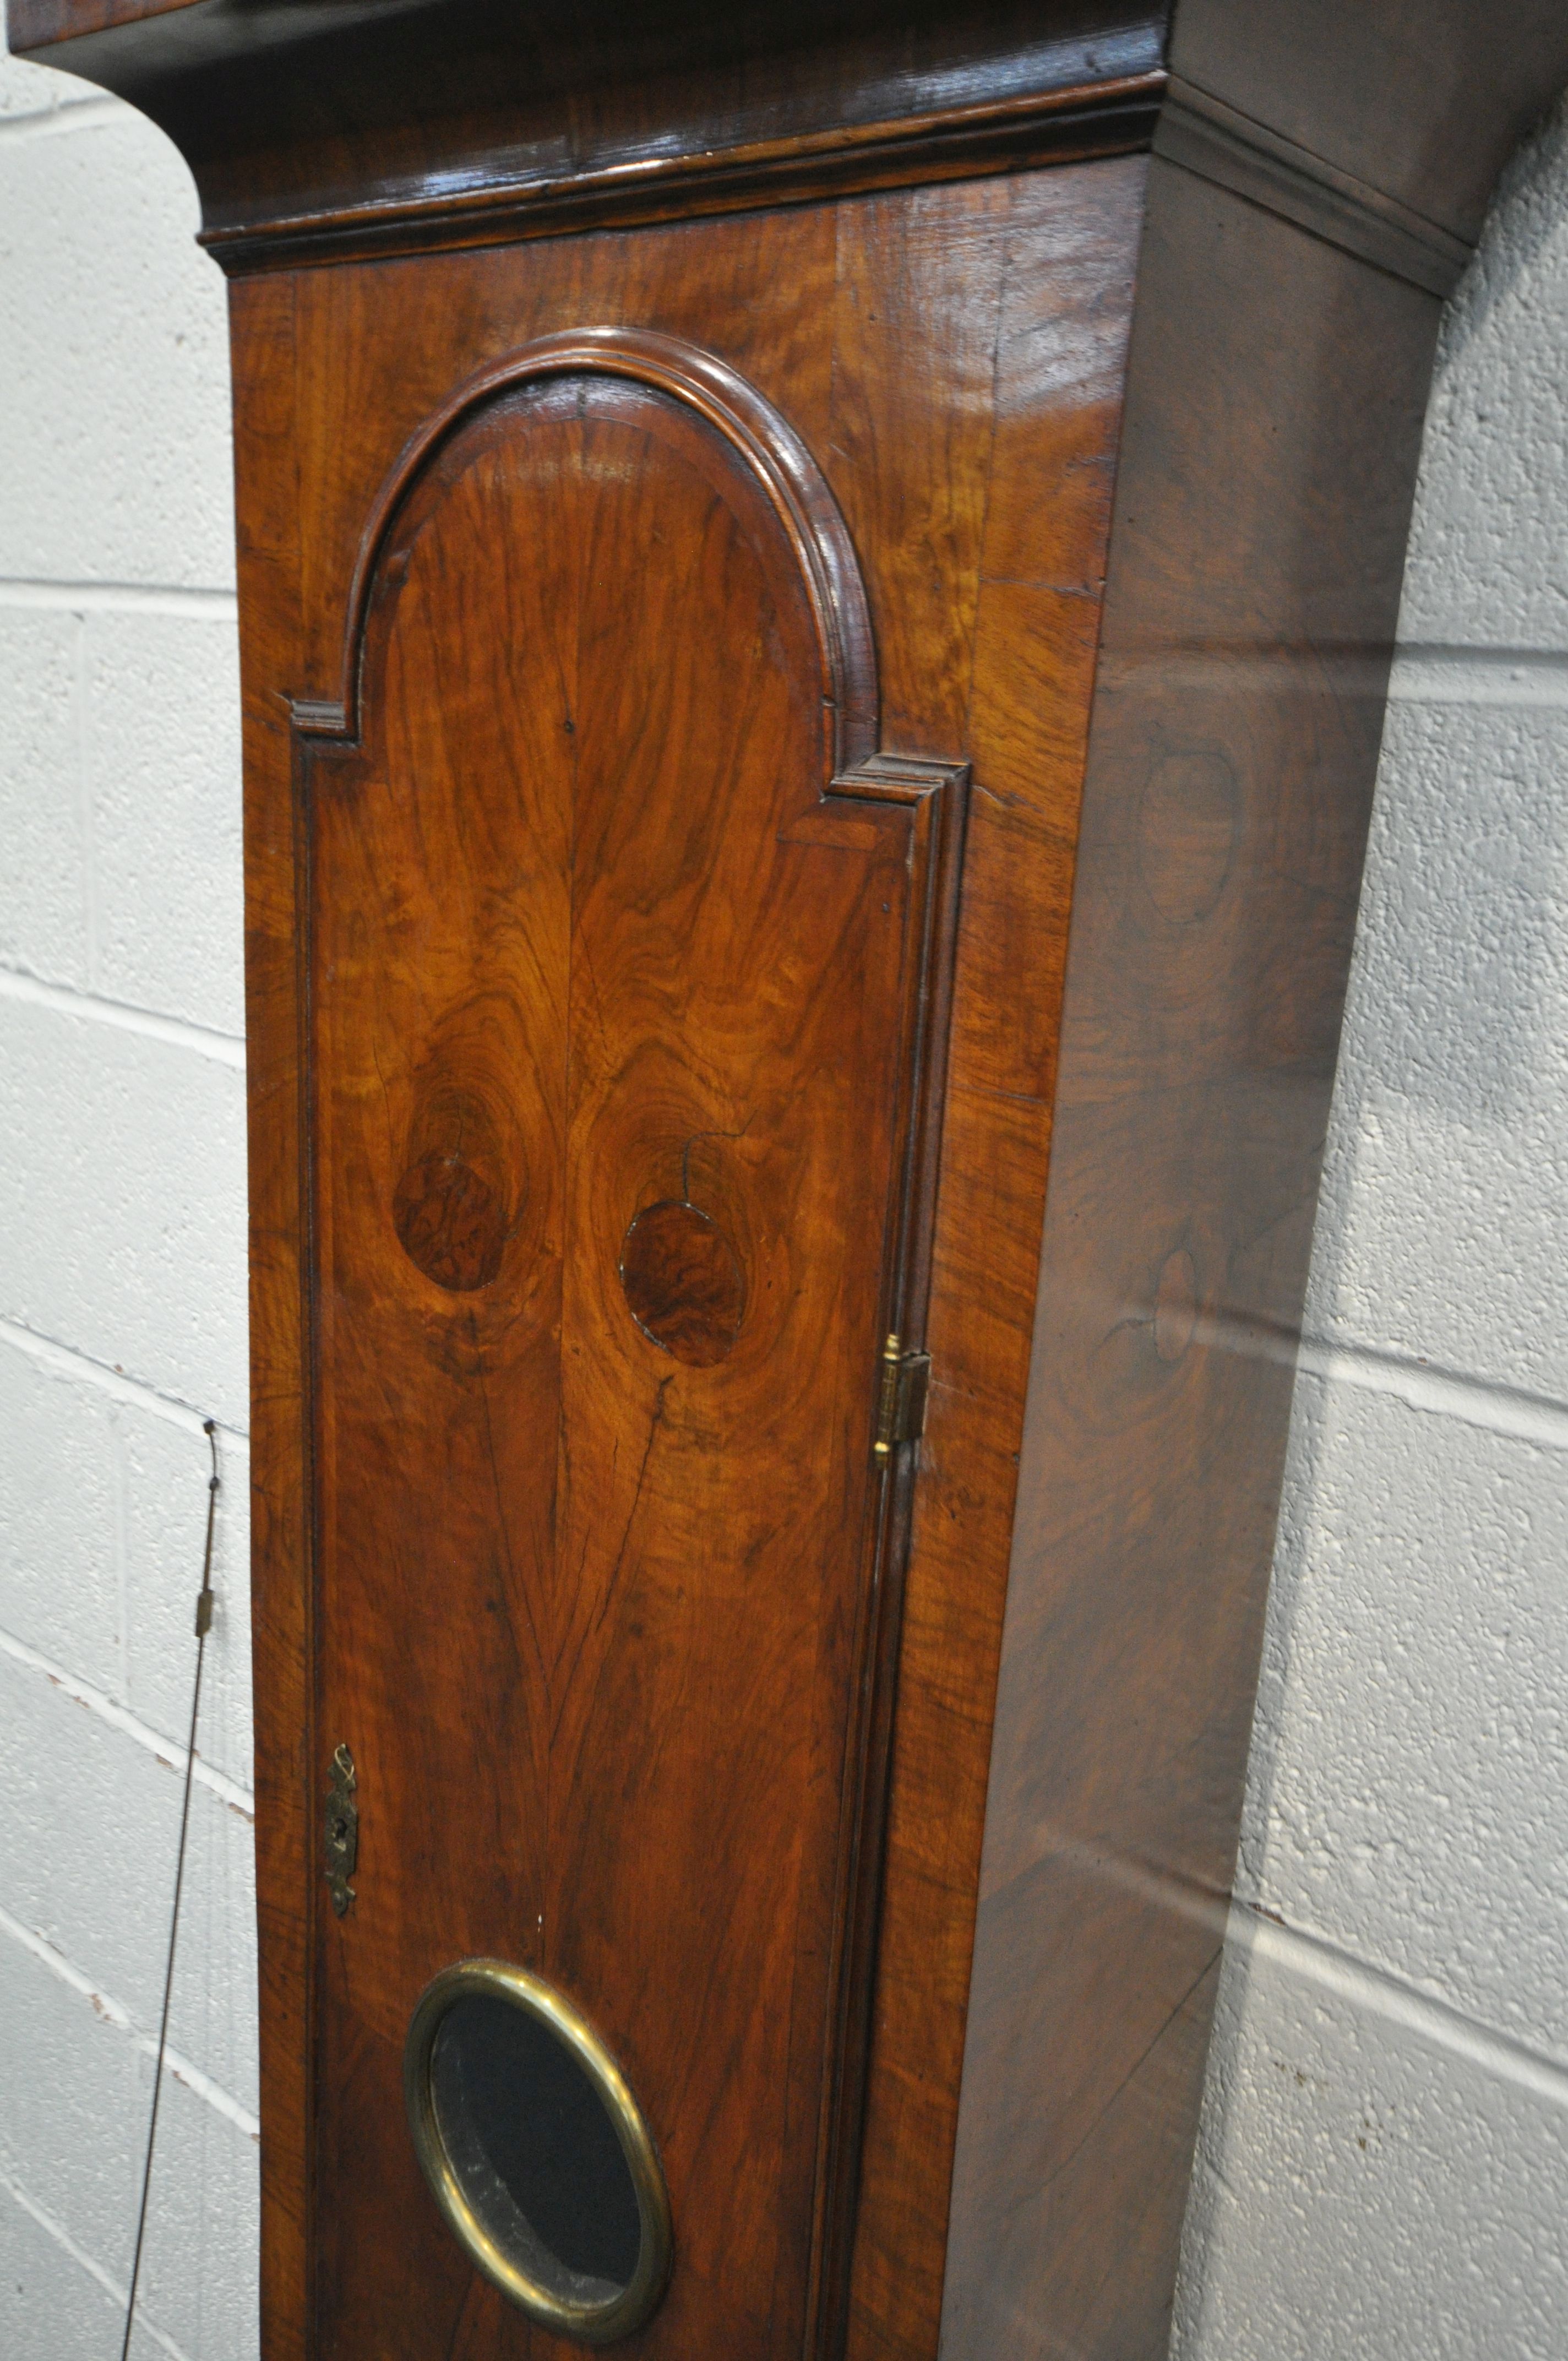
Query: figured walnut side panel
point(270, 532)
point(1011, 304)
point(1274, 408)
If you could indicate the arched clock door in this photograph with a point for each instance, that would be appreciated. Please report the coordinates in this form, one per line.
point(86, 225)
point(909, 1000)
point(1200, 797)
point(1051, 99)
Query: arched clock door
point(627, 959)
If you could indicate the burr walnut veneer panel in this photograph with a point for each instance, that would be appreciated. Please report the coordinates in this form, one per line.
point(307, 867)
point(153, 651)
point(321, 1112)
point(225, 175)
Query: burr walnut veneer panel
point(625, 968)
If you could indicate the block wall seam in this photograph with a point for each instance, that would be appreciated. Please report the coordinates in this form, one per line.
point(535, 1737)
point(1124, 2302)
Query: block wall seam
point(66, 1361)
point(64, 118)
point(166, 1750)
point(1438, 674)
point(228, 1048)
point(1511, 1411)
point(109, 2011)
point(1514, 1411)
point(83, 2261)
point(118, 598)
point(1313, 1959)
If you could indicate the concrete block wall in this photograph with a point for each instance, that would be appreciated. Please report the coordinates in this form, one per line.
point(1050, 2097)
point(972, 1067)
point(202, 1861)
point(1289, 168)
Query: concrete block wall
point(122, 1249)
point(1385, 2160)
point(1384, 2168)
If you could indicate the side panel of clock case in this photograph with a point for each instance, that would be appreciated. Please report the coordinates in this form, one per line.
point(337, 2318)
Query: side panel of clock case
point(953, 357)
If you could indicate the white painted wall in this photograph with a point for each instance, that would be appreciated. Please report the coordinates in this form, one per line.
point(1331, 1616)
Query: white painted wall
point(1385, 2165)
point(122, 1246)
point(1384, 2168)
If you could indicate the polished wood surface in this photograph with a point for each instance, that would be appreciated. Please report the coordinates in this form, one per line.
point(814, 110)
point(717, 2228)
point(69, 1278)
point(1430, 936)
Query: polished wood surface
point(1424, 100)
point(827, 415)
point(616, 937)
point(965, 344)
point(1024, 531)
point(344, 126)
point(39, 23)
point(1273, 422)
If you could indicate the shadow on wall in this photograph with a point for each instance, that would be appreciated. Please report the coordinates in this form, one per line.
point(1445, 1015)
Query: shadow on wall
point(1435, 1252)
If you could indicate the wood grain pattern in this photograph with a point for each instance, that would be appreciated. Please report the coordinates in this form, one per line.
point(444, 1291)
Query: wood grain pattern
point(594, 1131)
point(1425, 99)
point(681, 1278)
point(338, 130)
point(1235, 745)
point(603, 921)
point(1062, 269)
point(268, 535)
point(352, 130)
point(351, 423)
point(42, 24)
point(1096, 118)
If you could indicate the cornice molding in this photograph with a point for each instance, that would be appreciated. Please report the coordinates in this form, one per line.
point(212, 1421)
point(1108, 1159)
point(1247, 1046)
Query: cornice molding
point(1221, 144)
point(320, 131)
point(1102, 118)
point(1180, 123)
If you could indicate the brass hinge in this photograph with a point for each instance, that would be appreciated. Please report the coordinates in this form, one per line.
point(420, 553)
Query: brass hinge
point(341, 1834)
point(901, 1406)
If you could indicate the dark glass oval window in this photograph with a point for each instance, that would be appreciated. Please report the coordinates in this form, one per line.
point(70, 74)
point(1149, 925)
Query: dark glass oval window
point(536, 2151)
point(536, 2154)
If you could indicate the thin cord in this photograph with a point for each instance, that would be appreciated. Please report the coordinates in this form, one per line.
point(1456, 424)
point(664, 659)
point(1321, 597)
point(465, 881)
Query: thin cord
point(203, 1625)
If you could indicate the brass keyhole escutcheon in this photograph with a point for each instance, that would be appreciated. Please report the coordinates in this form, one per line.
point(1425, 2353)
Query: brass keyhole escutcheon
point(342, 1831)
point(536, 2151)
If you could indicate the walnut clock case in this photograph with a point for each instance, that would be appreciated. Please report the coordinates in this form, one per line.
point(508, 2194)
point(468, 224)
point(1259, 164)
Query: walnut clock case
point(815, 589)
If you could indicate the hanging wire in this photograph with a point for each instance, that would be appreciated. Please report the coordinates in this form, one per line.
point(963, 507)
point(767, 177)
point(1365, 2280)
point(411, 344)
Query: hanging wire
point(203, 1625)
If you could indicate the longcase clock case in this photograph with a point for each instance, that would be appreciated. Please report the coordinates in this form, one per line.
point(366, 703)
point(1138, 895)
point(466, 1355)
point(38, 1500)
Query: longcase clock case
point(815, 588)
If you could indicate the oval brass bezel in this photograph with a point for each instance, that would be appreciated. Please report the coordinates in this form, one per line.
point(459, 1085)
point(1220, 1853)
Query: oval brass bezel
point(603, 2323)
